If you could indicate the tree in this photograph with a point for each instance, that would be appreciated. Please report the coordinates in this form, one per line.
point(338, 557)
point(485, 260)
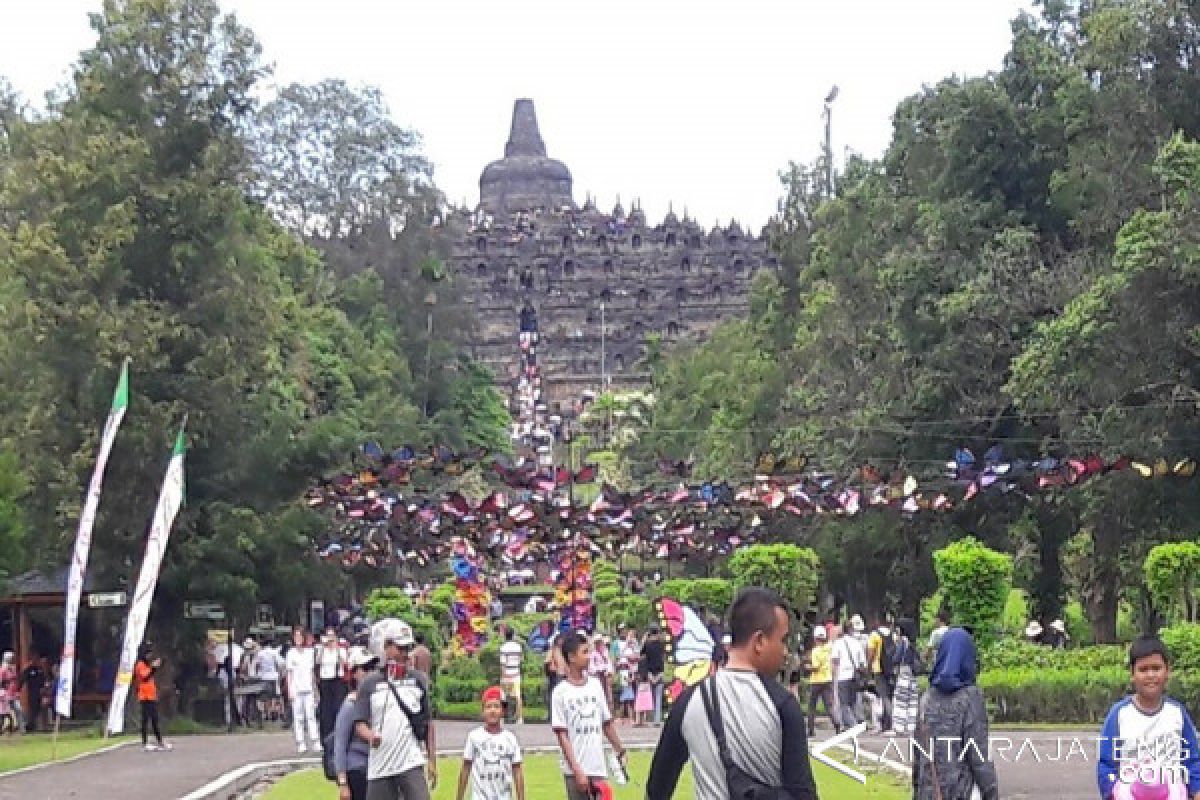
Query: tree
point(791, 571)
point(331, 162)
point(974, 581)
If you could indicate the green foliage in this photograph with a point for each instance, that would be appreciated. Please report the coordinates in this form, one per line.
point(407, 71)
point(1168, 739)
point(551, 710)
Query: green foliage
point(387, 602)
point(1017, 653)
point(790, 570)
point(631, 610)
point(1072, 696)
point(975, 580)
point(710, 594)
point(1170, 570)
point(1183, 644)
point(12, 519)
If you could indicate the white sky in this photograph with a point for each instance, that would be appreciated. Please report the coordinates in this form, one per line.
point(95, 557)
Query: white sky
point(697, 102)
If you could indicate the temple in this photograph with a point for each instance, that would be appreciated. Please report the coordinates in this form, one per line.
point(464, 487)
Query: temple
point(593, 286)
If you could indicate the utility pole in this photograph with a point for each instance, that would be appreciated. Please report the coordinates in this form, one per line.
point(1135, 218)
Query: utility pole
point(833, 93)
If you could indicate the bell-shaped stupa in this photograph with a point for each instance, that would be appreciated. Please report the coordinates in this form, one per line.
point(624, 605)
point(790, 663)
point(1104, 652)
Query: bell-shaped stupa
point(525, 178)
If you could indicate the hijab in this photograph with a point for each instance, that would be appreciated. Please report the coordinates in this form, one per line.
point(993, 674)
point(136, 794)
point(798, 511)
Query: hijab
point(954, 666)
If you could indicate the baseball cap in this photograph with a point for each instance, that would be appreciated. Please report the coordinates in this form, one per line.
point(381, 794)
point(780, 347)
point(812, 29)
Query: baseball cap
point(359, 657)
point(395, 631)
point(493, 693)
point(819, 632)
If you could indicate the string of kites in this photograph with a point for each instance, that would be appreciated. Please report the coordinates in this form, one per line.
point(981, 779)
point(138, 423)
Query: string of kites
point(380, 514)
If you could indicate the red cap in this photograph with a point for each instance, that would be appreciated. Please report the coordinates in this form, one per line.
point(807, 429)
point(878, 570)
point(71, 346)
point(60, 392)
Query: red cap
point(493, 693)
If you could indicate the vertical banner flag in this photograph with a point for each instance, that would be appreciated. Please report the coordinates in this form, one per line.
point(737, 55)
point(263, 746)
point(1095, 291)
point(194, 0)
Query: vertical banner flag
point(83, 545)
point(169, 499)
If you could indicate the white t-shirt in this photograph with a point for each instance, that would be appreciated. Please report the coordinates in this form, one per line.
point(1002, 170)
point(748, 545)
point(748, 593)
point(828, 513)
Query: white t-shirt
point(266, 666)
point(492, 756)
point(300, 663)
point(329, 661)
point(849, 653)
point(510, 660)
point(582, 711)
point(375, 704)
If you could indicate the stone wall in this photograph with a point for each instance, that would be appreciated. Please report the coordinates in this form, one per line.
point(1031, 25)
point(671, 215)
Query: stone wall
point(673, 279)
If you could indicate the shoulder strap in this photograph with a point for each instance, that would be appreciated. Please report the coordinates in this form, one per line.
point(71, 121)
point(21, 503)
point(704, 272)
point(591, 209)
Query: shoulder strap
point(403, 706)
point(712, 706)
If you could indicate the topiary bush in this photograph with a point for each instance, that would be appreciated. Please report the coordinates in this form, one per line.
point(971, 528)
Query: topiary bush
point(1170, 573)
point(975, 581)
point(1183, 643)
point(387, 602)
point(789, 569)
point(1081, 696)
point(1013, 653)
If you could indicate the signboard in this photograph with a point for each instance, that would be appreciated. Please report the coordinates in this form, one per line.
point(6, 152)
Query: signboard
point(107, 599)
point(316, 616)
point(203, 611)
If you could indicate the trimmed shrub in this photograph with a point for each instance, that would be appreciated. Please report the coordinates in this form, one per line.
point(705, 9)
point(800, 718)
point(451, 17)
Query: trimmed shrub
point(1020, 654)
point(387, 602)
point(1170, 574)
point(975, 581)
point(1081, 696)
point(790, 570)
point(1183, 642)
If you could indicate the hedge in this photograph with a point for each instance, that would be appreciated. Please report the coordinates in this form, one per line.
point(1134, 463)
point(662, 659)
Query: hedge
point(471, 711)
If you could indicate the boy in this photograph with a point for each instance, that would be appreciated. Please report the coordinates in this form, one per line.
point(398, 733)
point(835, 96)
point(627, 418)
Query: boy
point(578, 714)
point(1148, 739)
point(492, 755)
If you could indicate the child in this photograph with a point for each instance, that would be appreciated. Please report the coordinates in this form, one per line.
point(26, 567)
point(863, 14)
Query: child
point(579, 714)
point(492, 755)
point(627, 693)
point(643, 703)
point(1148, 746)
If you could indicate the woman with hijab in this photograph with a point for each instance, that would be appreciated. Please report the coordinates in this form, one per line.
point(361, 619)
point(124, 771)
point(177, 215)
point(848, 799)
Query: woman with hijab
point(951, 740)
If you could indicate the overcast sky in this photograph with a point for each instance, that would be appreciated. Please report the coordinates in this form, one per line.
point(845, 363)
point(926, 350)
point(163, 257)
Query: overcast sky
point(700, 103)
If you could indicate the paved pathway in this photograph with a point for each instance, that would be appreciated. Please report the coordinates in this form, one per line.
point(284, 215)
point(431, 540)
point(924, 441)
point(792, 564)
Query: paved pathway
point(132, 774)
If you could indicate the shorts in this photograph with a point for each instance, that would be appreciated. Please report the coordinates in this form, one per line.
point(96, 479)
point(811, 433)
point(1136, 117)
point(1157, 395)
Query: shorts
point(573, 792)
point(408, 785)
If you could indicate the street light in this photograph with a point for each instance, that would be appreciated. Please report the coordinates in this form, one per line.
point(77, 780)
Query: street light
point(829, 98)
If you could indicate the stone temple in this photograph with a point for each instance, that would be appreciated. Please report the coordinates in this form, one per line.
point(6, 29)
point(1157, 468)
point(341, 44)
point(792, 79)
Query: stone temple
point(594, 284)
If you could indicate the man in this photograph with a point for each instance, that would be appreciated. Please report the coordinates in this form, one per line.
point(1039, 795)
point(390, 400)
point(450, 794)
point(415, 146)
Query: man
point(393, 713)
point(880, 646)
point(511, 656)
point(763, 722)
point(33, 680)
point(651, 666)
point(850, 665)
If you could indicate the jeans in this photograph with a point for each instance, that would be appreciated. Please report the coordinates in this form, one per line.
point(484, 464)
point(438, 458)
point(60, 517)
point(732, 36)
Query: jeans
point(824, 693)
point(847, 699)
point(150, 719)
point(657, 688)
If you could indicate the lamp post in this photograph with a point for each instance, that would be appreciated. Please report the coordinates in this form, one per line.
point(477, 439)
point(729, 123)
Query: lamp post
point(829, 98)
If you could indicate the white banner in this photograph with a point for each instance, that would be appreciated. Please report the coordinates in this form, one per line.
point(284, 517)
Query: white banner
point(83, 546)
point(169, 500)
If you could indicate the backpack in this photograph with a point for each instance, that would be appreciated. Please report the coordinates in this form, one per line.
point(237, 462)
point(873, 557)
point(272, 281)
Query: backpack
point(887, 653)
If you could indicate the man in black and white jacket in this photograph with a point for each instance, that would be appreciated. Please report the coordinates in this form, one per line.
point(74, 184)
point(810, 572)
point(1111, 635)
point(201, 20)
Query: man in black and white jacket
point(763, 722)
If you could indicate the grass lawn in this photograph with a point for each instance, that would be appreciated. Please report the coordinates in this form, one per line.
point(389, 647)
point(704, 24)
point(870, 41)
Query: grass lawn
point(543, 780)
point(29, 749)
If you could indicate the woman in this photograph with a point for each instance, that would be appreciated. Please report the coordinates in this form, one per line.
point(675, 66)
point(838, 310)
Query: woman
point(908, 665)
point(331, 670)
point(350, 753)
point(147, 693)
point(953, 709)
point(600, 667)
point(8, 694)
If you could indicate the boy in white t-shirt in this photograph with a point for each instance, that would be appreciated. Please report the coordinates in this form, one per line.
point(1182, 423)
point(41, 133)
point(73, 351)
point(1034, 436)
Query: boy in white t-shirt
point(581, 720)
point(492, 756)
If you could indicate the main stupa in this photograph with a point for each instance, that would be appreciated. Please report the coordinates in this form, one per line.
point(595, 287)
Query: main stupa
point(525, 179)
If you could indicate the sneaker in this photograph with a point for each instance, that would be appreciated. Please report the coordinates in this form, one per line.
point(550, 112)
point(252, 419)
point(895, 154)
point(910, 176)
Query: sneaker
point(166, 746)
point(149, 748)
point(317, 748)
point(301, 748)
point(520, 721)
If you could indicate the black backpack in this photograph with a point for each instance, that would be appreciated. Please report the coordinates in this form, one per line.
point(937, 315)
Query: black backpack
point(887, 653)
